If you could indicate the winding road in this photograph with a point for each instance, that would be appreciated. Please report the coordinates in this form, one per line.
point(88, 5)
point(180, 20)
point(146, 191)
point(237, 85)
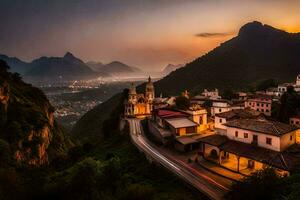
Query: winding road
point(202, 180)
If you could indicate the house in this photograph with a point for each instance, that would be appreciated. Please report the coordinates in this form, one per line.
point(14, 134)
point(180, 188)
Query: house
point(213, 94)
point(242, 95)
point(182, 122)
point(219, 106)
point(261, 103)
point(199, 99)
point(222, 118)
point(282, 88)
point(251, 144)
point(297, 85)
point(183, 127)
point(198, 115)
point(273, 91)
point(140, 104)
point(295, 120)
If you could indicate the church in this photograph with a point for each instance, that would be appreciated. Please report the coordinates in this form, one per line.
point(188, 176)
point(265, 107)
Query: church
point(140, 104)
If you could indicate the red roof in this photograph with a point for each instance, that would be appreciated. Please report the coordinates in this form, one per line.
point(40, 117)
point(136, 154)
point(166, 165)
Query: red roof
point(170, 114)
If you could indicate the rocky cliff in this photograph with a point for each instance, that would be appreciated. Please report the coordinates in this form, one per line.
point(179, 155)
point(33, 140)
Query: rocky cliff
point(27, 123)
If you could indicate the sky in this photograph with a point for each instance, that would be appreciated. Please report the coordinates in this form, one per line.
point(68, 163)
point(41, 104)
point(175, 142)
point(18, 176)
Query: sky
point(148, 34)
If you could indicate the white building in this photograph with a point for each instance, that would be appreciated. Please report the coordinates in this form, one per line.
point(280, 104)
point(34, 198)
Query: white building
point(213, 94)
point(248, 145)
point(220, 106)
point(223, 118)
point(282, 88)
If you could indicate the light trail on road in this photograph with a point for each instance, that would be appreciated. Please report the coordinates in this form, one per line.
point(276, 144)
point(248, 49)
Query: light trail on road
point(202, 182)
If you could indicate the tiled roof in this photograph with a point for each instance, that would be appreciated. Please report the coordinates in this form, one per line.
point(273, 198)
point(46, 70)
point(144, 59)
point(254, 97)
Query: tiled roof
point(284, 160)
point(239, 114)
point(186, 140)
point(163, 113)
point(215, 140)
point(274, 158)
point(262, 126)
point(181, 122)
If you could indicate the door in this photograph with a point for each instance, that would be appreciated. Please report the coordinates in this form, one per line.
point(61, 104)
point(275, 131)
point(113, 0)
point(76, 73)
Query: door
point(255, 139)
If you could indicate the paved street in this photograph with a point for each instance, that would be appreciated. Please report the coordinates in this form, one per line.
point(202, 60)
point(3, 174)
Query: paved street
point(206, 182)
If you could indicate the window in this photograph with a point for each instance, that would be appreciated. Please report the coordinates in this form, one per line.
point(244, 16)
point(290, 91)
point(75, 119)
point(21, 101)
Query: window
point(220, 120)
point(262, 110)
point(292, 121)
point(220, 110)
point(267, 110)
point(236, 134)
point(250, 103)
point(269, 141)
point(257, 109)
point(267, 105)
point(245, 135)
point(262, 105)
point(257, 104)
point(291, 137)
point(297, 122)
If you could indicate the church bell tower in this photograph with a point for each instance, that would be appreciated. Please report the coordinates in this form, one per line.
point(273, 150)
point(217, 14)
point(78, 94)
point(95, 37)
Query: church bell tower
point(150, 93)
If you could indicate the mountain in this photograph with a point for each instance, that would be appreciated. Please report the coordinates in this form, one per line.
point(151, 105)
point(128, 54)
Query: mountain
point(114, 68)
point(29, 132)
point(170, 68)
point(96, 66)
point(67, 67)
point(16, 64)
point(257, 53)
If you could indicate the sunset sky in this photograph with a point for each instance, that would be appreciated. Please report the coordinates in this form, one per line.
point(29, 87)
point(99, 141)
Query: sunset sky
point(145, 33)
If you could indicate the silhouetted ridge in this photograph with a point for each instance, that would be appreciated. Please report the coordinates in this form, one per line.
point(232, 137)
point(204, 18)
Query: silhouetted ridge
point(259, 52)
point(257, 29)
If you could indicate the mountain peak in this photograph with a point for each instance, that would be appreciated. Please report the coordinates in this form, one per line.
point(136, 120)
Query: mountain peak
point(255, 28)
point(69, 55)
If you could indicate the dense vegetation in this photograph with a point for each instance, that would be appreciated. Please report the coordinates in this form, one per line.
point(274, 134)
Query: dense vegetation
point(258, 53)
point(103, 165)
point(289, 105)
point(25, 109)
point(266, 184)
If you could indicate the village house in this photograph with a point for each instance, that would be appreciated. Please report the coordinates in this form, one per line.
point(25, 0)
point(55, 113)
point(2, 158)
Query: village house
point(140, 104)
point(199, 99)
point(223, 118)
point(261, 103)
point(282, 88)
point(222, 105)
point(273, 91)
point(213, 94)
point(295, 120)
point(184, 126)
point(219, 106)
point(252, 144)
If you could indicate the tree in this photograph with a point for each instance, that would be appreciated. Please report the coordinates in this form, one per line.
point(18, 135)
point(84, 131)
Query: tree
point(290, 105)
point(3, 66)
point(263, 184)
point(182, 102)
point(228, 94)
point(265, 84)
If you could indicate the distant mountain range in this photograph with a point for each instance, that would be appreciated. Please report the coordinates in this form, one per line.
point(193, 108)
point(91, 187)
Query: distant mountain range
point(257, 53)
point(67, 67)
point(170, 68)
point(16, 64)
point(114, 68)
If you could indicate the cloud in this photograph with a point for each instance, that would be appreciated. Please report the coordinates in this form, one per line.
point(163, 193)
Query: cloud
point(209, 35)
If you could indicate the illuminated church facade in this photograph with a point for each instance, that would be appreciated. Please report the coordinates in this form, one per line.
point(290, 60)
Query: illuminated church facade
point(140, 104)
